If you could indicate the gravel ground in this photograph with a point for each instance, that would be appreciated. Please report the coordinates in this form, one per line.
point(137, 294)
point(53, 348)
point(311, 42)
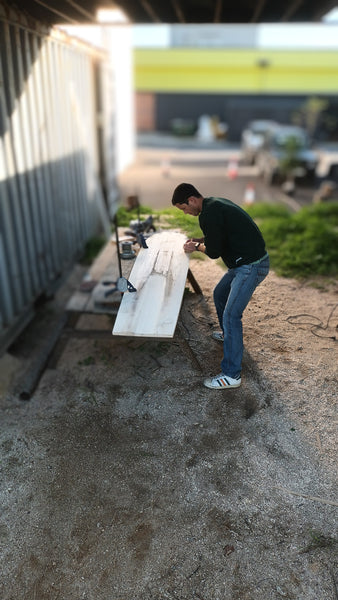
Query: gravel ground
point(123, 478)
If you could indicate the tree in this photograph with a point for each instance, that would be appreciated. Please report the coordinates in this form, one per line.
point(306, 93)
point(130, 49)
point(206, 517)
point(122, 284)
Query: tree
point(309, 114)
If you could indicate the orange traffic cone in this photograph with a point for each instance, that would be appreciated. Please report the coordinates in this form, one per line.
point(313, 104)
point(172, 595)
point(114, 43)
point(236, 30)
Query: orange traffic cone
point(165, 167)
point(232, 169)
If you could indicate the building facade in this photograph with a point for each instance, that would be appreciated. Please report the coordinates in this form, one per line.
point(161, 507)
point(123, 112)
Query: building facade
point(236, 73)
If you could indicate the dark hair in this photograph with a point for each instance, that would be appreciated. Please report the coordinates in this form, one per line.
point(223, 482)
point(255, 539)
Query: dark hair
point(183, 191)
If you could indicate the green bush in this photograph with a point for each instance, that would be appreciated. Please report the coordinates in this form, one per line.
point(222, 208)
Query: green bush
point(262, 210)
point(301, 244)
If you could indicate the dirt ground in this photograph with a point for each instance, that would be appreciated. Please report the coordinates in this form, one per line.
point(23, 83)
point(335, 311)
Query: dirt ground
point(123, 478)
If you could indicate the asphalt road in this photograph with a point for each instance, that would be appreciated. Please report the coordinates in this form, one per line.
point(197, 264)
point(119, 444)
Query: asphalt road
point(162, 162)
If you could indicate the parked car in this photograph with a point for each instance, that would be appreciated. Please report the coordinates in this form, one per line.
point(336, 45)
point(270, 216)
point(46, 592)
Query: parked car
point(253, 138)
point(286, 154)
point(327, 167)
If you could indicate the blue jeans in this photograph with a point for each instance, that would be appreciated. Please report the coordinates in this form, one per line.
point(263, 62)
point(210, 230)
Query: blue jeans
point(231, 296)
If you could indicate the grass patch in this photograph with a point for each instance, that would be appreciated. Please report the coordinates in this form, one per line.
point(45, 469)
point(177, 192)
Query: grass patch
point(169, 217)
point(301, 245)
point(125, 215)
point(178, 220)
point(92, 249)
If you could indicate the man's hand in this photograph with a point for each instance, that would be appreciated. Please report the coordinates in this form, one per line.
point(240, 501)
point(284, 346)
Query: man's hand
point(189, 246)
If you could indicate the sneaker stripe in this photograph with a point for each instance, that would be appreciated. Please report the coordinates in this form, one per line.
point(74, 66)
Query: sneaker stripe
point(222, 381)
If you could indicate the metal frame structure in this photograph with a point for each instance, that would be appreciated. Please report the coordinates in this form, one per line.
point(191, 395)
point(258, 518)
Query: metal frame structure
point(182, 11)
point(55, 142)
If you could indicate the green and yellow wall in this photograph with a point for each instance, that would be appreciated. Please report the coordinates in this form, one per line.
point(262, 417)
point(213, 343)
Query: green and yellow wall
point(187, 82)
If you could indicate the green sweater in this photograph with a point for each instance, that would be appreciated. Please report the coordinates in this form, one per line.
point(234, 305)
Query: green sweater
point(230, 233)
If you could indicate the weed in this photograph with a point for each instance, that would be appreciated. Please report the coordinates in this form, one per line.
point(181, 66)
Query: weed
point(92, 248)
point(318, 540)
point(90, 399)
point(89, 360)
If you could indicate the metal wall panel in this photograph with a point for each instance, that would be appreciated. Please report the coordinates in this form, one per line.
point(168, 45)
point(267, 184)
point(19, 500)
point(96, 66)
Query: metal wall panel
point(52, 198)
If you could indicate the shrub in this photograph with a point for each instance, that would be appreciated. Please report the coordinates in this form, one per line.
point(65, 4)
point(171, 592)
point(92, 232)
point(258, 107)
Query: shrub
point(301, 244)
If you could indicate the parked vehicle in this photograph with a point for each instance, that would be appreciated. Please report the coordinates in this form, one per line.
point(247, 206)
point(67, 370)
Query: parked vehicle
point(327, 167)
point(253, 138)
point(286, 155)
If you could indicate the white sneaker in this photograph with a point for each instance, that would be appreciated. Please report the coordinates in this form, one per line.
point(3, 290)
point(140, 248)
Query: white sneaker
point(221, 382)
point(218, 335)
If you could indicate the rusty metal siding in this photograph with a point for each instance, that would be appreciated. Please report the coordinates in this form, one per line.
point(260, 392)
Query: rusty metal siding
point(51, 195)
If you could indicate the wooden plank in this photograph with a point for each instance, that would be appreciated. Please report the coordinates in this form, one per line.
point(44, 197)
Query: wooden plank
point(195, 286)
point(159, 274)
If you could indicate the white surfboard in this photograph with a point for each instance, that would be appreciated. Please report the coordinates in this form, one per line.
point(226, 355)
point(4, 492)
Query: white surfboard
point(159, 276)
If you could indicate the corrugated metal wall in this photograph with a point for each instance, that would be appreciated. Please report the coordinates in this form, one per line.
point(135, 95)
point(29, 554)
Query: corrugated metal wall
point(54, 139)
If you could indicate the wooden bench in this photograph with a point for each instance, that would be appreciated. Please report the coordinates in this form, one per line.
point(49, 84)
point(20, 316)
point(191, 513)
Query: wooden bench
point(158, 273)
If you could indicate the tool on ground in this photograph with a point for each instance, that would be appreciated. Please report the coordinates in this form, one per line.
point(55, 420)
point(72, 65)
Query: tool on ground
point(145, 226)
point(127, 250)
point(122, 284)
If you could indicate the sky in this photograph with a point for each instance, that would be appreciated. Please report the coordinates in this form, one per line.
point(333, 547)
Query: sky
point(331, 16)
point(322, 35)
